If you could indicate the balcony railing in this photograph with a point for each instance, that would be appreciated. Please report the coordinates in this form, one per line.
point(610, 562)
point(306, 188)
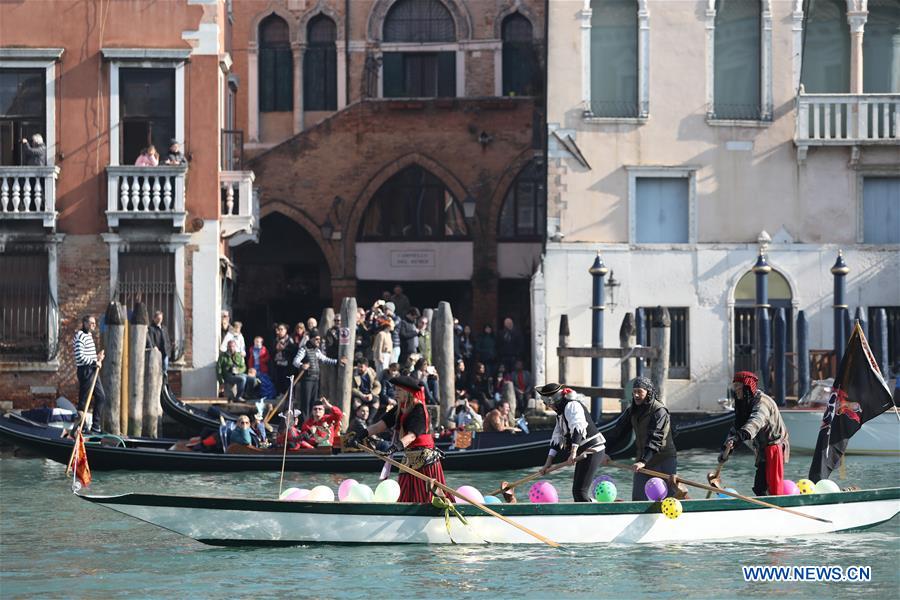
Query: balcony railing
point(146, 193)
point(847, 119)
point(240, 205)
point(29, 193)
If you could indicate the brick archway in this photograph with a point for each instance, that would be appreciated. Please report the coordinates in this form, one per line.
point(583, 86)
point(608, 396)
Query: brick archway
point(304, 220)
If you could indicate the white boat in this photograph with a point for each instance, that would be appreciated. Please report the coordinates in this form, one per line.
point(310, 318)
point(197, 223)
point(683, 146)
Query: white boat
point(881, 435)
point(243, 521)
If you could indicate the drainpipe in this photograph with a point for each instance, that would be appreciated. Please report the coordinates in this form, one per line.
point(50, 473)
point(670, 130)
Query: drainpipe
point(346, 52)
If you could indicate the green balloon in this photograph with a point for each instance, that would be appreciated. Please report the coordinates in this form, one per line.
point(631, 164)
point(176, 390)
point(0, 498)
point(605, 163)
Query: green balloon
point(605, 492)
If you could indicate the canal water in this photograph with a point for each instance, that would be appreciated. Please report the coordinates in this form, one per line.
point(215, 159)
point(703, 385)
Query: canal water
point(54, 545)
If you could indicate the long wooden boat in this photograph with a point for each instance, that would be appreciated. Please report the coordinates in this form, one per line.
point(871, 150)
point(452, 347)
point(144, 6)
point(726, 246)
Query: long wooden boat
point(518, 452)
point(242, 521)
point(881, 435)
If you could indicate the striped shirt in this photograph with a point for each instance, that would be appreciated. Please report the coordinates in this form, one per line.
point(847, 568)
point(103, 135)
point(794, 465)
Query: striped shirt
point(85, 351)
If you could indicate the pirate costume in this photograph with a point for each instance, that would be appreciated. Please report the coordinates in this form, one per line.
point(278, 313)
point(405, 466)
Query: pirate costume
point(756, 417)
point(576, 433)
point(653, 437)
point(419, 454)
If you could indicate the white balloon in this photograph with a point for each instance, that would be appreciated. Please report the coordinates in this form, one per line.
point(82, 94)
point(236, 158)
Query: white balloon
point(361, 493)
point(387, 491)
point(827, 486)
point(287, 492)
point(320, 493)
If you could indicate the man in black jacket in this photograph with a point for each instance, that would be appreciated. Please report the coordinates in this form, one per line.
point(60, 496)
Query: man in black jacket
point(158, 337)
point(409, 336)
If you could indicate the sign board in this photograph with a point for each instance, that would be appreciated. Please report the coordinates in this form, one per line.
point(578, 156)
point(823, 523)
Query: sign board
point(423, 259)
point(344, 337)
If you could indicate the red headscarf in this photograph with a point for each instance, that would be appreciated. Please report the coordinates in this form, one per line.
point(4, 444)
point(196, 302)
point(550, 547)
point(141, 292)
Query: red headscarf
point(748, 379)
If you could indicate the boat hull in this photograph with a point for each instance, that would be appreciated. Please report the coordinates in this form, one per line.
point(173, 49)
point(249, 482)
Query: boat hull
point(880, 435)
point(232, 521)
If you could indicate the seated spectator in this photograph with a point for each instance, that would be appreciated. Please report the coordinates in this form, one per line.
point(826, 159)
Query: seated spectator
point(293, 433)
point(464, 419)
point(387, 388)
point(499, 419)
point(234, 333)
point(323, 427)
point(366, 386)
point(148, 157)
point(360, 418)
point(500, 378)
point(175, 156)
point(231, 370)
point(523, 384)
point(462, 381)
point(481, 389)
point(241, 433)
point(258, 357)
point(258, 432)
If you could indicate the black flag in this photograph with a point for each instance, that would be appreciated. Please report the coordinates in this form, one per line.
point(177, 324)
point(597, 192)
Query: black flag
point(859, 394)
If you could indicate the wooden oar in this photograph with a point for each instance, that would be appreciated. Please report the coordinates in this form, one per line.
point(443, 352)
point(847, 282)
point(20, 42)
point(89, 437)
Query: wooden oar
point(87, 405)
point(533, 476)
point(709, 488)
point(714, 479)
point(448, 490)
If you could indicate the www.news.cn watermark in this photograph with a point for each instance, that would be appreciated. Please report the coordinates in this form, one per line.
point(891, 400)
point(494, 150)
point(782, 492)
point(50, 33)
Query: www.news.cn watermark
point(856, 574)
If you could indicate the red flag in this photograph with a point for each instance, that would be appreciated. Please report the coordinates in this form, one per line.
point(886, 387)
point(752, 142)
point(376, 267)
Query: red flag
point(80, 461)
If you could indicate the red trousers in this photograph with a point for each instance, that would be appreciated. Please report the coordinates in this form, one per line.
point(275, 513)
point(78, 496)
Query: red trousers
point(413, 489)
point(770, 472)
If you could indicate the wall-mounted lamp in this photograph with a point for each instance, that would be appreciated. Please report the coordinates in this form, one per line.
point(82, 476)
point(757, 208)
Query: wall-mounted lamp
point(611, 285)
point(469, 205)
point(327, 229)
point(484, 138)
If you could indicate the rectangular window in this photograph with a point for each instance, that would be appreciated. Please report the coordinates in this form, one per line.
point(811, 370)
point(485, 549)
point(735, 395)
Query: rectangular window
point(881, 210)
point(419, 74)
point(150, 277)
point(320, 77)
point(893, 341)
point(662, 210)
point(276, 81)
point(737, 60)
point(614, 58)
point(28, 314)
point(22, 111)
point(679, 341)
point(147, 109)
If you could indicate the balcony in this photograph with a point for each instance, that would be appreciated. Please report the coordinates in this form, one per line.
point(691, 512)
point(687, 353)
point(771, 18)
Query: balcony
point(29, 194)
point(849, 120)
point(240, 204)
point(145, 194)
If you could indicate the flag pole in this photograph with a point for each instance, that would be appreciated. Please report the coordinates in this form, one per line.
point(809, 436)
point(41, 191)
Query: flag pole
point(288, 423)
point(87, 404)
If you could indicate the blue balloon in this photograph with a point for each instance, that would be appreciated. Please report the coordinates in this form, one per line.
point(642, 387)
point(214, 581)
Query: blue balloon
point(732, 490)
point(492, 500)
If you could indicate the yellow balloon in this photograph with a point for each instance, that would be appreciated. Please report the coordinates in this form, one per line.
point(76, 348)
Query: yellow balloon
point(671, 507)
point(806, 486)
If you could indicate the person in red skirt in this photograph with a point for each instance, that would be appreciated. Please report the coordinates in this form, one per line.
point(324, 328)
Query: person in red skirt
point(413, 437)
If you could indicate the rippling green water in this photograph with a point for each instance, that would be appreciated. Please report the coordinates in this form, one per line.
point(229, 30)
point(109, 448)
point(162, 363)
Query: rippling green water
point(54, 545)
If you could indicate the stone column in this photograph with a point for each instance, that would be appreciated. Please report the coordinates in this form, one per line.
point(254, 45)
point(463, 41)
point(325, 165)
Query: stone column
point(857, 21)
point(297, 50)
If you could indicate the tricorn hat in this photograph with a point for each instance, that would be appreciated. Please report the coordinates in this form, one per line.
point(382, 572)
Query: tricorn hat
point(549, 389)
point(405, 381)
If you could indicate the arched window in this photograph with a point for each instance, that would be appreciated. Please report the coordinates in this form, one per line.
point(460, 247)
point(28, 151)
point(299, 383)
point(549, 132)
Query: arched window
point(276, 66)
point(826, 47)
point(419, 21)
point(745, 343)
point(525, 206)
point(520, 72)
point(881, 47)
point(413, 205)
point(738, 50)
point(614, 58)
point(320, 65)
point(414, 73)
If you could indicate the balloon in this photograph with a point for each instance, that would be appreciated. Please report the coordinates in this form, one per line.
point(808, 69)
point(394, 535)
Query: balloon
point(320, 493)
point(806, 486)
point(726, 496)
point(287, 493)
point(606, 492)
point(492, 500)
point(543, 492)
point(671, 507)
point(361, 493)
point(344, 489)
point(297, 495)
point(656, 489)
point(827, 486)
point(597, 481)
point(387, 491)
point(470, 492)
point(789, 488)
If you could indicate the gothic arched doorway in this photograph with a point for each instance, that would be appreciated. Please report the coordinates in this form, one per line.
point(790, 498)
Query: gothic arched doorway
point(283, 278)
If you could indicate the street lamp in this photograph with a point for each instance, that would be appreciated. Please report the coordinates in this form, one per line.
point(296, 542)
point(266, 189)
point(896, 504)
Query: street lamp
point(469, 207)
point(327, 229)
point(611, 286)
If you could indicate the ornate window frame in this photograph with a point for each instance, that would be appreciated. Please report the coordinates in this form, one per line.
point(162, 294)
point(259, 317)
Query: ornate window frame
point(46, 59)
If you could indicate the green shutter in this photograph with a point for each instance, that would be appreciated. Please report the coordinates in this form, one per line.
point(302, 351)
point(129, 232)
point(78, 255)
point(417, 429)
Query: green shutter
point(446, 74)
point(394, 81)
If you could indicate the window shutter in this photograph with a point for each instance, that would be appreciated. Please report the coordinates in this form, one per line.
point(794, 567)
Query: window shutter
point(284, 80)
point(394, 82)
point(446, 75)
point(266, 80)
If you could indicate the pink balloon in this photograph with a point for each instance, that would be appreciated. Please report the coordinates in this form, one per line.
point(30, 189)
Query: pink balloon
point(543, 492)
point(298, 495)
point(469, 492)
point(344, 488)
point(789, 488)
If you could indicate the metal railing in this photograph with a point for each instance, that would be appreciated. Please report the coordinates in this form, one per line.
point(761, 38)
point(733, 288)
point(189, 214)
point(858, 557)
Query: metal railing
point(145, 193)
point(29, 314)
point(29, 193)
point(848, 119)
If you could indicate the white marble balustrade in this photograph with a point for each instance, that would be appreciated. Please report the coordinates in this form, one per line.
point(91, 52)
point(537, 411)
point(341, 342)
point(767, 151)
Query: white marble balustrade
point(29, 193)
point(146, 193)
point(240, 206)
point(848, 119)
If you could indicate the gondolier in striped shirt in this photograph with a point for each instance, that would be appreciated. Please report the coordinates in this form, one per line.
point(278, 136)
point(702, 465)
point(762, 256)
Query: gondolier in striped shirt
point(575, 433)
point(87, 361)
point(413, 437)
